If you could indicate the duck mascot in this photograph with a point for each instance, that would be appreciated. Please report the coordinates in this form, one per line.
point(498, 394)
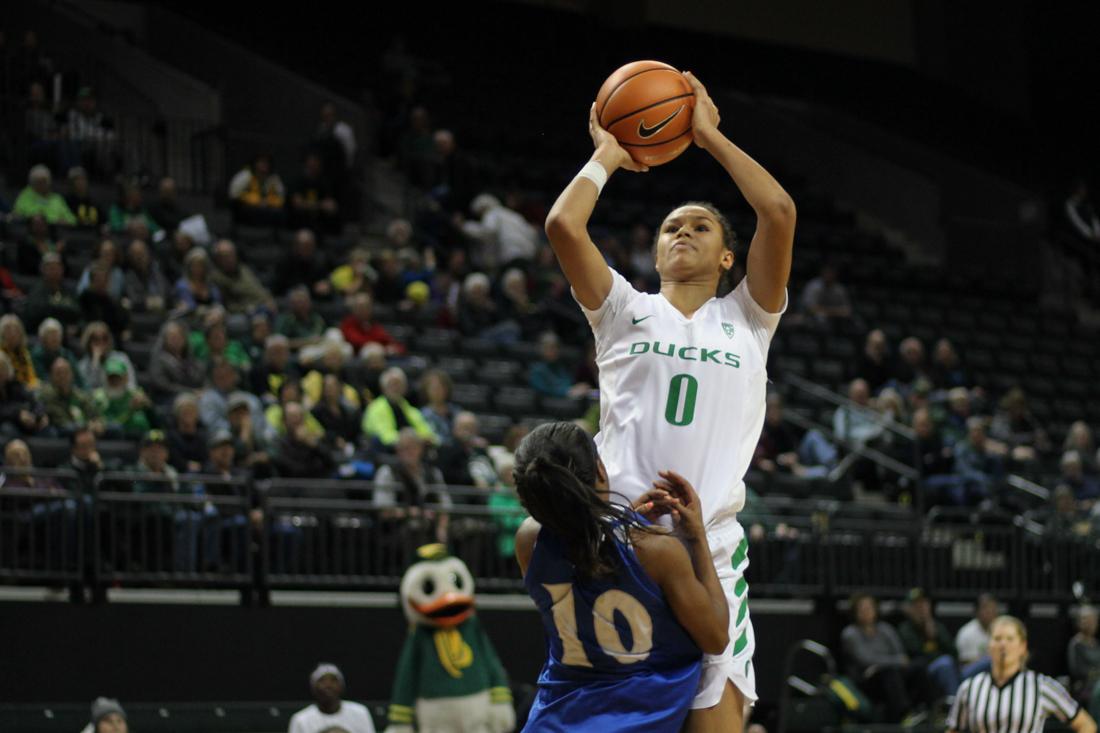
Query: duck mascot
point(449, 678)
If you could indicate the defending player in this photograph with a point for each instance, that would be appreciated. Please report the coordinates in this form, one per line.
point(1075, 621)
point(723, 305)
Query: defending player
point(682, 373)
point(625, 606)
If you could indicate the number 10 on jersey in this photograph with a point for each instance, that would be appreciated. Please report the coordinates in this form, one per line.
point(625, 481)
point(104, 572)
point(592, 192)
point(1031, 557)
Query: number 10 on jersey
point(680, 405)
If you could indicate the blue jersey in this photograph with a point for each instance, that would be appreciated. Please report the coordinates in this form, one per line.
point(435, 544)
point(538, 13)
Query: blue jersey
point(617, 658)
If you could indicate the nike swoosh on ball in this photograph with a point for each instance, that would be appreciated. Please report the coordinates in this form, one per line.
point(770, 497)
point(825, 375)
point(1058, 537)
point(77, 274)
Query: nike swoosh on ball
point(644, 132)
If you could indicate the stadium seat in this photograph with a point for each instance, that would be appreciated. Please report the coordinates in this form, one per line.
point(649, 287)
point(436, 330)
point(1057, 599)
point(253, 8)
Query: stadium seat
point(436, 342)
point(515, 401)
point(500, 372)
point(493, 426)
point(790, 365)
point(140, 354)
point(522, 350)
point(563, 408)
point(474, 397)
point(457, 368)
point(803, 344)
point(479, 348)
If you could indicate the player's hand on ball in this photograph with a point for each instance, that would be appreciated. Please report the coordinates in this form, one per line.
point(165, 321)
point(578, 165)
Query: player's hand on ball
point(705, 117)
point(605, 142)
point(687, 513)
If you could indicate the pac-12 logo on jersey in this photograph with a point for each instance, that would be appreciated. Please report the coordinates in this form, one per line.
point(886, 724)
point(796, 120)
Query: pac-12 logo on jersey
point(728, 328)
point(686, 353)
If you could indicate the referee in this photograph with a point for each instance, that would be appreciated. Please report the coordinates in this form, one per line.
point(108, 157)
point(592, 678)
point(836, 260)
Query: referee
point(1010, 698)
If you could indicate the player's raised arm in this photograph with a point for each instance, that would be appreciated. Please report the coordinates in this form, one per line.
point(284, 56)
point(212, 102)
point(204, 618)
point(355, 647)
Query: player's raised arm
point(769, 262)
point(567, 223)
point(686, 576)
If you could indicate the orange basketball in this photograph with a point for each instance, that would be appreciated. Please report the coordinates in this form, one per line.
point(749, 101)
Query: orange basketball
point(647, 106)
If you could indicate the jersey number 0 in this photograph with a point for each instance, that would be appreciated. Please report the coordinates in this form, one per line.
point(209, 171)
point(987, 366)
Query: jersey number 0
point(603, 614)
point(680, 406)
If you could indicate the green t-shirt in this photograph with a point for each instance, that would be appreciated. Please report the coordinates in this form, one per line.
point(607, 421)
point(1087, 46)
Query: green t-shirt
point(51, 206)
point(293, 328)
point(508, 514)
point(119, 411)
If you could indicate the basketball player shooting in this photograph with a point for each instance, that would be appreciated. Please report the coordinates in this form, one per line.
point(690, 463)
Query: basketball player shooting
point(682, 373)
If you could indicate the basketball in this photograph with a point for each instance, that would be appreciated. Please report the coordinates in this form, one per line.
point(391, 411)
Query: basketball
point(647, 106)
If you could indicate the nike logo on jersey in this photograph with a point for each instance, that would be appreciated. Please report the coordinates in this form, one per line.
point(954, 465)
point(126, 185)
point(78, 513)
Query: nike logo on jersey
point(636, 321)
point(647, 132)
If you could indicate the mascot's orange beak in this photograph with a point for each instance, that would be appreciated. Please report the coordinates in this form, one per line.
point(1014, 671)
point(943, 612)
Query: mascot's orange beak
point(449, 610)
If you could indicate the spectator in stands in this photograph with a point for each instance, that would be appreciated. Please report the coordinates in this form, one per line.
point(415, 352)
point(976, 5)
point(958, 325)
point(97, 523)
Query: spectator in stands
point(67, 406)
point(550, 376)
point(913, 364)
point(947, 370)
point(97, 302)
point(390, 412)
point(416, 149)
point(250, 443)
point(291, 392)
point(875, 365)
point(84, 459)
point(172, 260)
point(359, 327)
point(13, 343)
point(304, 265)
point(454, 175)
point(979, 463)
point(877, 660)
point(98, 345)
point(187, 450)
point(1081, 212)
point(435, 396)
point(340, 417)
point(258, 194)
point(329, 713)
point(195, 291)
point(107, 717)
point(972, 640)
point(825, 299)
point(517, 306)
point(781, 450)
point(51, 347)
point(108, 255)
point(389, 287)
point(259, 330)
point(300, 453)
point(20, 412)
point(1086, 489)
point(166, 212)
point(267, 376)
point(927, 642)
point(92, 131)
point(10, 292)
point(1083, 655)
point(506, 452)
point(37, 244)
point(1065, 519)
point(478, 315)
point(312, 198)
point(88, 213)
point(401, 490)
point(504, 238)
point(172, 366)
point(957, 417)
point(212, 343)
point(329, 357)
point(40, 124)
point(146, 290)
point(1079, 440)
point(37, 199)
point(935, 459)
point(129, 207)
point(355, 276)
point(50, 297)
point(465, 460)
point(300, 323)
point(372, 364)
point(242, 292)
point(214, 400)
point(858, 422)
point(124, 408)
point(1015, 426)
point(189, 520)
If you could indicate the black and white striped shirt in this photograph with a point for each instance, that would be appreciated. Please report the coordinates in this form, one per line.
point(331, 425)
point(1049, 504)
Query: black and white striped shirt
point(1021, 705)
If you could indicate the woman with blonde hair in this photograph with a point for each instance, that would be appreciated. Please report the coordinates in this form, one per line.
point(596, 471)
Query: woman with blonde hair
point(98, 346)
point(1011, 698)
point(13, 342)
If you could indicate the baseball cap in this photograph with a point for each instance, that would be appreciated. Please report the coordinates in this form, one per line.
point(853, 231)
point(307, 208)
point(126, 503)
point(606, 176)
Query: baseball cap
point(916, 594)
point(154, 437)
point(221, 437)
point(238, 399)
point(323, 669)
point(114, 366)
point(104, 706)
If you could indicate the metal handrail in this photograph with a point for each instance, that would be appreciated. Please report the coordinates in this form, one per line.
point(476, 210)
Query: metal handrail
point(841, 401)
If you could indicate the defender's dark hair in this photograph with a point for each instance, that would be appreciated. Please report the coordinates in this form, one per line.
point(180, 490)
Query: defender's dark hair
point(729, 241)
point(555, 474)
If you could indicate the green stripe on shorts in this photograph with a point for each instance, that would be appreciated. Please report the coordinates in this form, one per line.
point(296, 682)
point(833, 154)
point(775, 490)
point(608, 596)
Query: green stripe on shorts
point(741, 643)
point(740, 587)
point(740, 553)
point(741, 613)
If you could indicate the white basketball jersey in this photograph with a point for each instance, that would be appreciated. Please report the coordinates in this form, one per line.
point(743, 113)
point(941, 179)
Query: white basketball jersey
point(681, 394)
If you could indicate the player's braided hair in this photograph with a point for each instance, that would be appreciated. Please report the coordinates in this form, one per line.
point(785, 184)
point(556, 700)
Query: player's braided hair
point(729, 241)
point(555, 473)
